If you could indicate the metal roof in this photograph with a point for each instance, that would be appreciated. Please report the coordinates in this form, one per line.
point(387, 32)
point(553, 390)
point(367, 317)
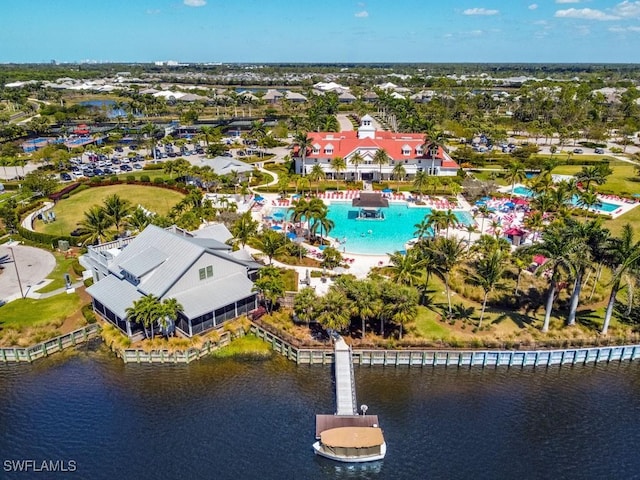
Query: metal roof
point(147, 260)
point(117, 295)
point(180, 255)
point(212, 295)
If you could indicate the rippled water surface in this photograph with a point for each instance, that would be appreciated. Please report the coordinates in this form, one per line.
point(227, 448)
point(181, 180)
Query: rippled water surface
point(228, 419)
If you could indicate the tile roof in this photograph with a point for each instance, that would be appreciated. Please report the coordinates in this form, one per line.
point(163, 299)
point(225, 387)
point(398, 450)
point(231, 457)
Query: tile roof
point(346, 143)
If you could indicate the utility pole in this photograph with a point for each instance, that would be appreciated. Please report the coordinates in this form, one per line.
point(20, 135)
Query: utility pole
point(15, 264)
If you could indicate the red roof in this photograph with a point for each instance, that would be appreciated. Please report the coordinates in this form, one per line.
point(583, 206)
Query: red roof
point(346, 143)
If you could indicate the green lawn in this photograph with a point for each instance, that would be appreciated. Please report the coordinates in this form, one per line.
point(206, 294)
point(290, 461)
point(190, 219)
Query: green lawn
point(63, 265)
point(28, 312)
point(70, 211)
point(623, 180)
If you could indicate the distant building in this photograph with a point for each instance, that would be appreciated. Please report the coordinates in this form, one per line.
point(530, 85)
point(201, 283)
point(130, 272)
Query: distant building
point(212, 284)
point(408, 149)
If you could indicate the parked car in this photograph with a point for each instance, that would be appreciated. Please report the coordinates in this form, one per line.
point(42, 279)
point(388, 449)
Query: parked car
point(99, 172)
point(137, 166)
point(578, 150)
point(126, 168)
point(65, 177)
point(599, 151)
point(108, 171)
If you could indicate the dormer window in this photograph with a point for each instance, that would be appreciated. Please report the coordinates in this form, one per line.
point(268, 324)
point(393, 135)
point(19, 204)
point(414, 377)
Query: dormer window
point(433, 151)
point(316, 148)
point(419, 150)
point(406, 150)
point(328, 149)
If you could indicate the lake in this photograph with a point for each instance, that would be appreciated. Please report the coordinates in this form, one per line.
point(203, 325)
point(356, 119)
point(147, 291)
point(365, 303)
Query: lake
point(233, 419)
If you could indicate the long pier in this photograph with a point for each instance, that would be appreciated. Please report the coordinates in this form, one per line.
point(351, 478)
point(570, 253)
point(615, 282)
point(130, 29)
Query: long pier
point(345, 383)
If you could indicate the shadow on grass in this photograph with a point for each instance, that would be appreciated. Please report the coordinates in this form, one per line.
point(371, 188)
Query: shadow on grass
point(590, 319)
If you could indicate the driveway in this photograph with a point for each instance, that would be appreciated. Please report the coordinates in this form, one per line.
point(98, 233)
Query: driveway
point(33, 266)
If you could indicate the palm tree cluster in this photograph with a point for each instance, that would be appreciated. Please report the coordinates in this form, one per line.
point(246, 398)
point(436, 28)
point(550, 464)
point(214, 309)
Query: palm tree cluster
point(107, 220)
point(151, 311)
point(354, 304)
point(314, 212)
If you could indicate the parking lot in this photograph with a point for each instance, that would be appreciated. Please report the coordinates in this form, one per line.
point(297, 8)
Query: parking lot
point(127, 159)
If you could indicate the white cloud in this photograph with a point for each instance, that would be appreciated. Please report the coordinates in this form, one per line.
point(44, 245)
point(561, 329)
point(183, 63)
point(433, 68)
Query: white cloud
point(533, 6)
point(634, 29)
point(627, 9)
point(585, 14)
point(195, 3)
point(362, 14)
point(153, 11)
point(567, 1)
point(480, 11)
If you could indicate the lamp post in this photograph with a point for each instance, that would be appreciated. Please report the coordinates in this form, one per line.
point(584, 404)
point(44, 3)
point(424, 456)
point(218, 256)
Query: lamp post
point(15, 265)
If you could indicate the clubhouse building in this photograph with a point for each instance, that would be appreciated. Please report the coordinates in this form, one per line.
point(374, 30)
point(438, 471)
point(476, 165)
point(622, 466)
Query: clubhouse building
point(407, 149)
point(211, 283)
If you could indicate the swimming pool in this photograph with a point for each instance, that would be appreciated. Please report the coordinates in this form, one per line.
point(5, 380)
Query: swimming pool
point(377, 237)
point(604, 207)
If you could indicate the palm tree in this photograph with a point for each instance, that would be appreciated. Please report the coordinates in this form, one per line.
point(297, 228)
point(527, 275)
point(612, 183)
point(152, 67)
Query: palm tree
point(146, 311)
point(270, 284)
point(316, 174)
point(138, 220)
point(405, 269)
point(398, 173)
point(490, 270)
point(592, 238)
point(485, 212)
point(597, 174)
point(95, 226)
point(422, 228)
point(364, 302)
point(588, 199)
point(244, 228)
point(515, 174)
point(333, 312)
point(557, 247)
point(356, 160)
point(271, 243)
point(323, 223)
point(447, 253)
point(403, 307)
point(622, 256)
point(305, 303)
point(304, 143)
point(169, 313)
point(117, 209)
point(339, 165)
point(420, 181)
point(381, 158)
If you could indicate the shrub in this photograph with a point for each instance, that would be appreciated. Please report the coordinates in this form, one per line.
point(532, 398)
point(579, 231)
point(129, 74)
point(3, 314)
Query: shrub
point(113, 179)
point(170, 182)
point(157, 181)
point(96, 180)
point(76, 267)
point(88, 313)
point(145, 178)
point(131, 179)
point(88, 282)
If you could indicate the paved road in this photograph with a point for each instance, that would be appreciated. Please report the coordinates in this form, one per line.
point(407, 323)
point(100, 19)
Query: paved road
point(33, 265)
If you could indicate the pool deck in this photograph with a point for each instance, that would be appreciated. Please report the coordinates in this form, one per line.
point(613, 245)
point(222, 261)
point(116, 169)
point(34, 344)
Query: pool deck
point(624, 206)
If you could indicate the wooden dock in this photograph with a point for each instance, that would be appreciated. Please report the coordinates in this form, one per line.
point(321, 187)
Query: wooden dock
point(345, 383)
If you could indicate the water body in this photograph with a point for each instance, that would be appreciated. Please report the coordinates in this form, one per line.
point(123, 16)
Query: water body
point(230, 419)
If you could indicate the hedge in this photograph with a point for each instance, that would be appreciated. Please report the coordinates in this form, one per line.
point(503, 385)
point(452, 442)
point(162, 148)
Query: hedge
point(45, 239)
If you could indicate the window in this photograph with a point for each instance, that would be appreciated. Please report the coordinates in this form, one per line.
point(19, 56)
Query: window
point(406, 150)
point(206, 272)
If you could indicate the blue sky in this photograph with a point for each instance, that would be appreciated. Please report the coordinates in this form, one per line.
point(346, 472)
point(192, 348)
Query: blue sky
point(321, 31)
